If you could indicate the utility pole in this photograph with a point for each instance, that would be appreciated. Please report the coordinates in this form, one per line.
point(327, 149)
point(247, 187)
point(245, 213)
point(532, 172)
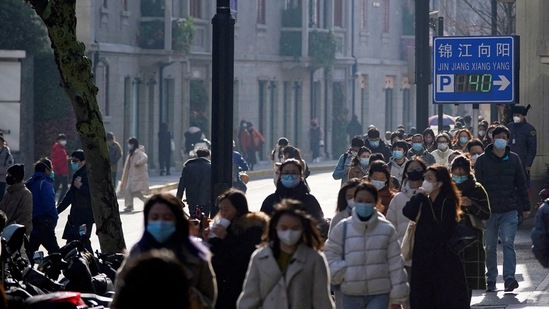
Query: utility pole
point(423, 66)
point(222, 99)
point(494, 6)
point(440, 32)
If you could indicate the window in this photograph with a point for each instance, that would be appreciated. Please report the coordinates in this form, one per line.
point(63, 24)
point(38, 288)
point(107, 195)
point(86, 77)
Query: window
point(125, 5)
point(364, 15)
point(314, 12)
point(338, 13)
point(386, 13)
point(105, 4)
point(196, 8)
point(261, 16)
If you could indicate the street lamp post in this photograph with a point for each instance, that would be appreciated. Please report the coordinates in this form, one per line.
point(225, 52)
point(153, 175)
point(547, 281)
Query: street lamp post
point(422, 64)
point(222, 98)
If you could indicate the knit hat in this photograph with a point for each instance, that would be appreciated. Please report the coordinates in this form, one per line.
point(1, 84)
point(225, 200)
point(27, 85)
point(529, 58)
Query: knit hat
point(523, 110)
point(17, 171)
point(79, 154)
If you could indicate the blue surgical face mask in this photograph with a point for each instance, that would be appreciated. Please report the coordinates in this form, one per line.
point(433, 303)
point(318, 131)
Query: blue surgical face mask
point(459, 179)
point(290, 181)
point(398, 154)
point(364, 161)
point(52, 175)
point(161, 230)
point(74, 166)
point(463, 140)
point(374, 144)
point(379, 184)
point(500, 143)
point(365, 210)
point(417, 147)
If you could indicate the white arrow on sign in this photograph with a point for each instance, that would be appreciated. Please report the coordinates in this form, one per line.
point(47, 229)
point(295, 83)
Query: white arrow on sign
point(502, 83)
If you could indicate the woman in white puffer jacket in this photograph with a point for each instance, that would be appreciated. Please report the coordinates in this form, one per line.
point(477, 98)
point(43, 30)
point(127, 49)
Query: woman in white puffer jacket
point(364, 256)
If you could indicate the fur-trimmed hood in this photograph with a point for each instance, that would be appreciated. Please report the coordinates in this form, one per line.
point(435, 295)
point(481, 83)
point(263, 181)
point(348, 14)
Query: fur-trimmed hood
point(253, 219)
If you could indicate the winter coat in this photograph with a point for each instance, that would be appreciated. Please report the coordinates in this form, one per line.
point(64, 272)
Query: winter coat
point(385, 196)
point(80, 201)
point(196, 181)
point(164, 145)
point(522, 140)
point(59, 159)
point(424, 154)
point(115, 153)
point(17, 204)
point(504, 179)
point(437, 280)
point(373, 264)
point(300, 193)
point(383, 148)
point(231, 255)
point(341, 169)
point(394, 213)
point(6, 160)
point(441, 157)
point(340, 216)
point(357, 171)
point(197, 265)
point(540, 235)
point(304, 285)
point(135, 176)
point(474, 256)
point(43, 202)
point(397, 169)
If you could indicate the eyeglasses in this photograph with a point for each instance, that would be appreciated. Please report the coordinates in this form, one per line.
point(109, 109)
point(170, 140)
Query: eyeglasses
point(75, 161)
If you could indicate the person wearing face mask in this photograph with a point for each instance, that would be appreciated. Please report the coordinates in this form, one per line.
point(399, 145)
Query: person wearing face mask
point(344, 209)
point(289, 270)
point(380, 177)
point(474, 202)
point(233, 245)
point(488, 138)
point(437, 277)
point(523, 138)
point(360, 163)
point(443, 150)
point(367, 278)
point(502, 174)
point(290, 185)
point(167, 227)
point(397, 161)
point(135, 174)
point(461, 138)
point(343, 166)
point(17, 203)
point(79, 198)
point(418, 150)
point(482, 127)
point(59, 159)
point(429, 142)
point(373, 142)
point(475, 148)
point(44, 214)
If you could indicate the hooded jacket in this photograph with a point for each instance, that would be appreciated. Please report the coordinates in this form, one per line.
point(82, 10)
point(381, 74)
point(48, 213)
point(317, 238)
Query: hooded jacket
point(43, 197)
point(17, 204)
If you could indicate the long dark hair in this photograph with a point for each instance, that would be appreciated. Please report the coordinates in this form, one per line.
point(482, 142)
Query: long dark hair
point(341, 200)
point(361, 150)
point(413, 159)
point(448, 188)
point(135, 144)
point(311, 235)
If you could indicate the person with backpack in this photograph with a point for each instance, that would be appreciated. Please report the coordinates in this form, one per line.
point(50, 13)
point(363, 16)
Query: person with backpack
point(6, 160)
point(343, 166)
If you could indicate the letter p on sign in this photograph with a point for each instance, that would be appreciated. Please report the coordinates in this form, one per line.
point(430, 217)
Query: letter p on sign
point(445, 83)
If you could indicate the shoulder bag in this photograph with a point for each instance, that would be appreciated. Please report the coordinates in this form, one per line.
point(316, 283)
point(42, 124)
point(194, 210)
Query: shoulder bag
point(407, 245)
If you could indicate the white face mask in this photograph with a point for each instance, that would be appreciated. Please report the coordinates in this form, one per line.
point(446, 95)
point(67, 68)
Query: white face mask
point(474, 158)
point(351, 203)
point(63, 142)
point(427, 186)
point(442, 146)
point(516, 119)
point(289, 237)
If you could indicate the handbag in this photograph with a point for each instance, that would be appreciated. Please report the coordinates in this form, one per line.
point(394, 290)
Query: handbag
point(407, 246)
point(172, 145)
point(476, 222)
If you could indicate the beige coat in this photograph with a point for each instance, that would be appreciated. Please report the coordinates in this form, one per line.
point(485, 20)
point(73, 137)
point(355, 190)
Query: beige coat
point(17, 204)
point(135, 175)
point(305, 285)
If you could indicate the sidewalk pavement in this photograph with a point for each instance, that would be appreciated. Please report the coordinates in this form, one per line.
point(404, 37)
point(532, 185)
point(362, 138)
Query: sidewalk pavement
point(263, 169)
point(537, 298)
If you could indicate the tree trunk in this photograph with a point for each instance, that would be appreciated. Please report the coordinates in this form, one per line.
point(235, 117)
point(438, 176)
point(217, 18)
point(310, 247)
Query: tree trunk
point(59, 16)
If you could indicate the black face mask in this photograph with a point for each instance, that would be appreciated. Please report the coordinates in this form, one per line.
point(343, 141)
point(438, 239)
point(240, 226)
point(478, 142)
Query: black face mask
point(10, 180)
point(415, 175)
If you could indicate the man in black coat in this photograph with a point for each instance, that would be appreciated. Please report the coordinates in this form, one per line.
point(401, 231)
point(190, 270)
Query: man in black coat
point(196, 179)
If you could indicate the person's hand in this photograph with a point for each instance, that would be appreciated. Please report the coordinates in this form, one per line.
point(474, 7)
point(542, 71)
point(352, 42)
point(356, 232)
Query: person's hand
point(525, 214)
point(219, 231)
point(527, 169)
point(465, 201)
point(77, 182)
point(420, 190)
point(206, 233)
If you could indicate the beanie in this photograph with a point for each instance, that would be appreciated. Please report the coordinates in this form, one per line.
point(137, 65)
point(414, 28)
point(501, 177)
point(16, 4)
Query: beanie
point(79, 154)
point(17, 171)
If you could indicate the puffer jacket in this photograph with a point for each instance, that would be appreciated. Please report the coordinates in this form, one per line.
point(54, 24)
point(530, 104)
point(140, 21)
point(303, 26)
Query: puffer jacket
point(135, 176)
point(540, 235)
point(504, 179)
point(373, 264)
point(394, 213)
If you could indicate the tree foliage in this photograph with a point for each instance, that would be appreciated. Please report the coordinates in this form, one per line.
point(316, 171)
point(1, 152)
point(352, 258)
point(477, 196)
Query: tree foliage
point(75, 70)
point(21, 27)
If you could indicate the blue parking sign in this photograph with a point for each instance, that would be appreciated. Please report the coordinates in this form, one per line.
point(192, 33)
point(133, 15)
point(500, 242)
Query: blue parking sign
point(475, 69)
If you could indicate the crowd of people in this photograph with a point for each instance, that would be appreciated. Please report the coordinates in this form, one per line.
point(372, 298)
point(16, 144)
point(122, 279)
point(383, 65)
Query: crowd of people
point(458, 193)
